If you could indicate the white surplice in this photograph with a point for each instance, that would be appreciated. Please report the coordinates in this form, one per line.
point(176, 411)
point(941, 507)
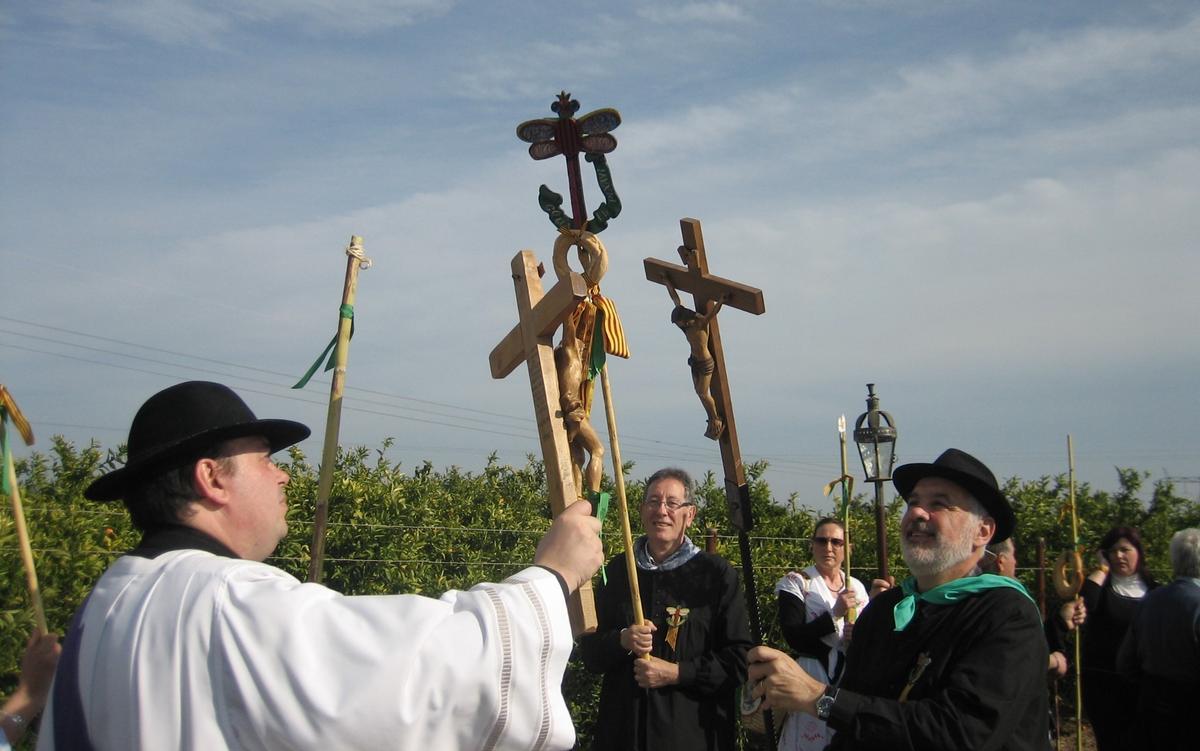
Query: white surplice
point(191, 650)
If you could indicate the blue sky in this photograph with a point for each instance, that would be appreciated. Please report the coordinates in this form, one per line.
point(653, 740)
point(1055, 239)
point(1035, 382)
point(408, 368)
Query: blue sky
point(988, 209)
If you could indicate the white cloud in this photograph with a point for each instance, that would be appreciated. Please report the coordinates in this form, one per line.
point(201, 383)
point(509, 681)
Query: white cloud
point(714, 12)
point(950, 95)
point(174, 22)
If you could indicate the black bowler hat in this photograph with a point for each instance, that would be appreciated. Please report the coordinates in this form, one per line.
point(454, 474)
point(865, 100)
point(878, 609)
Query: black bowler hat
point(963, 469)
point(178, 423)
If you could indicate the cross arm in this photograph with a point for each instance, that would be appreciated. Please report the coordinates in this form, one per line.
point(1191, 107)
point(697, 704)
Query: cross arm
point(548, 314)
point(705, 286)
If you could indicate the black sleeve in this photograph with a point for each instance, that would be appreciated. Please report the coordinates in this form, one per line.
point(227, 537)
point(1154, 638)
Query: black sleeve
point(602, 649)
point(1056, 632)
point(983, 701)
point(1091, 597)
point(710, 671)
point(801, 635)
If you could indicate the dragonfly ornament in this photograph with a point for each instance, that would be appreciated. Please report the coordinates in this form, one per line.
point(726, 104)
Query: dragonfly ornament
point(550, 136)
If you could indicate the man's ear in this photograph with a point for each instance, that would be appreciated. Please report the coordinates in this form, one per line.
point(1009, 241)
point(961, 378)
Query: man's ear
point(987, 528)
point(209, 479)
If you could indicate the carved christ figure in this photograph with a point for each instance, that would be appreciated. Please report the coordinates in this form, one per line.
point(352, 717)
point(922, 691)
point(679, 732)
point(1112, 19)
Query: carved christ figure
point(695, 327)
point(580, 433)
point(569, 361)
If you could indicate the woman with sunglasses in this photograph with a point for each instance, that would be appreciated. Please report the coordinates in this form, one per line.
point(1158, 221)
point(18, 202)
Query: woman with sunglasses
point(813, 608)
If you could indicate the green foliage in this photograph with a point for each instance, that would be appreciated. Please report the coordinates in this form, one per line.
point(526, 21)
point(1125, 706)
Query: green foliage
point(426, 530)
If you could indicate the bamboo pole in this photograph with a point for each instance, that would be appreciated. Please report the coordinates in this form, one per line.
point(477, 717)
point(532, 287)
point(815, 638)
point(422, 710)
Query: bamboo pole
point(341, 354)
point(1078, 632)
point(10, 473)
point(610, 417)
point(852, 613)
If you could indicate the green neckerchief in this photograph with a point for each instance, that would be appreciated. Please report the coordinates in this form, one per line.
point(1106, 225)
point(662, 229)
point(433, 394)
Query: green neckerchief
point(948, 594)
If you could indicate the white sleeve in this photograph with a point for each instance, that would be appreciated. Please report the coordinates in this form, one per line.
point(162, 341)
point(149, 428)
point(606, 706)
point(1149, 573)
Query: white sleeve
point(794, 584)
point(299, 666)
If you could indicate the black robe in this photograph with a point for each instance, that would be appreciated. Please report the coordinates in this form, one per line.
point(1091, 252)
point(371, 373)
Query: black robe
point(699, 713)
point(984, 687)
point(1110, 700)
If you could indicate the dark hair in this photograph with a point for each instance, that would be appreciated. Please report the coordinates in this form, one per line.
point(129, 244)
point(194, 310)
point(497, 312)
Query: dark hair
point(829, 520)
point(682, 315)
point(1135, 539)
point(164, 497)
point(673, 473)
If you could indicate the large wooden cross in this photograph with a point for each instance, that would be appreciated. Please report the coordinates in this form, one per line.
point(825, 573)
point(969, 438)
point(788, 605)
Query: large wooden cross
point(540, 314)
point(706, 290)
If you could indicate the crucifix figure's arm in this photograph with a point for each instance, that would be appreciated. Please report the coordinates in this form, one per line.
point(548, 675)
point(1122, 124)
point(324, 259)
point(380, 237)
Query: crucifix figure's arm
point(707, 317)
point(672, 291)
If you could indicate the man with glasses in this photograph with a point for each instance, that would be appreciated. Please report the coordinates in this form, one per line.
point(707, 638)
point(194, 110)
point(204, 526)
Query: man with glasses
point(670, 682)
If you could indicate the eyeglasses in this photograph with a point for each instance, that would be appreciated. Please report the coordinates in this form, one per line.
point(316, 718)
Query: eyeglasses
point(837, 542)
point(672, 504)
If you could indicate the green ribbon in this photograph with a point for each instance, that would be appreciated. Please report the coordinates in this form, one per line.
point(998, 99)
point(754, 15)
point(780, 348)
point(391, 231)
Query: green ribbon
point(948, 594)
point(599, 356)
point(600, 510)
point(6, 451)
point(345, 311)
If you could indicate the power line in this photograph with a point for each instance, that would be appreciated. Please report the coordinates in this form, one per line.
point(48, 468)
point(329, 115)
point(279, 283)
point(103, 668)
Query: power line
point(682, 451)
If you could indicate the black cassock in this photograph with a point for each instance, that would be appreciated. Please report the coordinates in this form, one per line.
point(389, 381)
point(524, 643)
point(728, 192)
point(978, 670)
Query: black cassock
point(701, 712)
point(983, 687)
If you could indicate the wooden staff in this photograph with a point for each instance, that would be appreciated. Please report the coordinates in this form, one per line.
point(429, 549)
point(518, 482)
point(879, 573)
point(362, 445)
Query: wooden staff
point(610, 416)
point(708, 291)
point(8, 407)
point(847, 484)
point(341, 354)
point(1068, 587)
point(1078, 632)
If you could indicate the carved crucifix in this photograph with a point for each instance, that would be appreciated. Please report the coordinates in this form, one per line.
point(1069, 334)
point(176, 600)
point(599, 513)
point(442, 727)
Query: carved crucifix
point(540, 315)
point(710, 294)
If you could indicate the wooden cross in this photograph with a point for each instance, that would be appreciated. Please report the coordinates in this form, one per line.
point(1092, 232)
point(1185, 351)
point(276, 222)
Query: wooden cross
point(540, 314)
point(706, 290)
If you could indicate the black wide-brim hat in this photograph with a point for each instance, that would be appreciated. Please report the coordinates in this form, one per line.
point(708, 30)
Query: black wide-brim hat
point(963, 469)
point(181, 422)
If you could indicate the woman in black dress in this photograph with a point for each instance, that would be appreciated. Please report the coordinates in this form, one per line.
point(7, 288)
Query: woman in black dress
point(1112, 597)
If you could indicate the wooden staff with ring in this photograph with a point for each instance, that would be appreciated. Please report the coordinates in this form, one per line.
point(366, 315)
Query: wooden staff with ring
point(9, 408)
point(1068, 587)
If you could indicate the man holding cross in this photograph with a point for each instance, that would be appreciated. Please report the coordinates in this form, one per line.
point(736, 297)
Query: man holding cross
point(948, 660)
point(189, 641)
point(671, 681)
